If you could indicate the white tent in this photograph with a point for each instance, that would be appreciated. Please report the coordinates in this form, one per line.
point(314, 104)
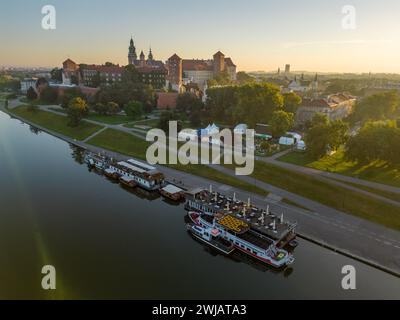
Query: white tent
point(286, 141)
point(301, 145)
point(241, 129)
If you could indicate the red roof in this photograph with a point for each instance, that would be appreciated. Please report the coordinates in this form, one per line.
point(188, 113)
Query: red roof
point(175, 57)
point(197, 65)
point(318, 103)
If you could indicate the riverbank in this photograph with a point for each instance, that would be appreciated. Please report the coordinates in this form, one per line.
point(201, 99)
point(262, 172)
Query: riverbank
point(360, 239)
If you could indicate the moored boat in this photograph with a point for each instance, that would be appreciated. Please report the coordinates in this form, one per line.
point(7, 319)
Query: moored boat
point(128, 182)
point(112, 174)
point(243, 238)
point(211, 237)
point(172, 192)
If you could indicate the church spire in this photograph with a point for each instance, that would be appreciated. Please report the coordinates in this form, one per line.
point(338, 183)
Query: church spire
point(151, 55)
point(132, 56)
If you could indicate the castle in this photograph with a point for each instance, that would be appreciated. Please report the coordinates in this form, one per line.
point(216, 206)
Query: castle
point(183, 71)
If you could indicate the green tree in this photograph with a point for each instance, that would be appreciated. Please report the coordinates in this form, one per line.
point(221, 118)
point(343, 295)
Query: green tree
point(31, 94)
point(281, 123)
point(243, 78)
point(77, 109)
point(112, 108)
point(323, 136)
point(256, 103)
point(188, 102)
point(378, 140)
point(70, 94)
point(377, 107)
point(222, 79)
point(134, 109)
point(100, 108)
point(49, 95)
point(291, 102)
point(166, 117)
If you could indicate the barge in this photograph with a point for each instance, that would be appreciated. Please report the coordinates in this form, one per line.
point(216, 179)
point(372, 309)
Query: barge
point(240, 235)
point(130, 173)
point(261, 221)
point(173, 193)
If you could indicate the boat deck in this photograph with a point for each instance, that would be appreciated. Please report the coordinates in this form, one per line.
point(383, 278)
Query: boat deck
point(260, 220)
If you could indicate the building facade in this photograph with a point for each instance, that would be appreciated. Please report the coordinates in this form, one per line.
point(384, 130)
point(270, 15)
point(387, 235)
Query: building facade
point(198, 71)
point(28, 83)
point(336, 107)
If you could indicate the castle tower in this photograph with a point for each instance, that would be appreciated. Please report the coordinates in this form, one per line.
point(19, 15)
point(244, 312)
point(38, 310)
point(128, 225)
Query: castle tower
point(175, 71)
point(219, 63)
point(132, 56)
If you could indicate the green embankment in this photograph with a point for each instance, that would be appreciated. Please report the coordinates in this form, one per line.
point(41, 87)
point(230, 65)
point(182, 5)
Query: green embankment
point(57, 123)
point(377, 171)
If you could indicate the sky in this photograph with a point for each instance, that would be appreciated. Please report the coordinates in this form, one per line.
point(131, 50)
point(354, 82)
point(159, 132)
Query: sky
point(259, 35)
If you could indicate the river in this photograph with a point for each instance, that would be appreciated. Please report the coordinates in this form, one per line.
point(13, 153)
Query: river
point(109, 243)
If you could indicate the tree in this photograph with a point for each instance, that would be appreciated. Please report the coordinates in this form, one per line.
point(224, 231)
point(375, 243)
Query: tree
point(378, 140)
point(77, 109)
point(195, 118)
point(166, 117)
point(100, 108)
point(222, 79)
point(70, 94)
point(188, 102)
point(112, 108)
point(377, 107)
point(127, 90)
point(256, 103)
point(323, 135)
point(31, 94)
point(49, 95)
point(243, 78)
point(134, 109)
point(291, 102)
point(281, 123)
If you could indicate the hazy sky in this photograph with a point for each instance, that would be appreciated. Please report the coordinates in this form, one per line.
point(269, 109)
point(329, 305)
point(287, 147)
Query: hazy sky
point(257, 34)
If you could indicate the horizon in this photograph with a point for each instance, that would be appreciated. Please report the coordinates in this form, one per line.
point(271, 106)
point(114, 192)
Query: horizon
point(310, 34)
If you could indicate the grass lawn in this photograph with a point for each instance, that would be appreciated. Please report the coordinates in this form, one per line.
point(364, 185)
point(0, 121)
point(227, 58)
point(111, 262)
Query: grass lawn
point(114, 119)
point(108, 119)
point(56, 123)
point(334, 196)
point(386, 194)
point(377, 171)
point(121, 142)
point(128, 144)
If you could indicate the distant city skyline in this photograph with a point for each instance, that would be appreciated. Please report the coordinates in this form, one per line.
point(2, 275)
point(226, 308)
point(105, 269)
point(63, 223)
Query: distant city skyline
point(263, 36)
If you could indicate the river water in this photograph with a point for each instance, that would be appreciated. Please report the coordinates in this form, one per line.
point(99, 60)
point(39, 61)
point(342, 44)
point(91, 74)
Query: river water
point(107, 243)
